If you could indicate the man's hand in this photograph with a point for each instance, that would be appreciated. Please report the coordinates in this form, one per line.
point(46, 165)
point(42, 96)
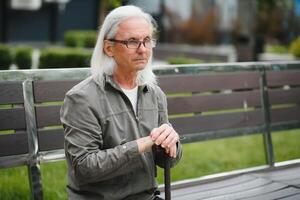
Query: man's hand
point(166, 137)
point(145, 144)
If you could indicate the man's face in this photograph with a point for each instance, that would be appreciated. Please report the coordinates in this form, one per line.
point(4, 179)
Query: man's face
point(132, 60)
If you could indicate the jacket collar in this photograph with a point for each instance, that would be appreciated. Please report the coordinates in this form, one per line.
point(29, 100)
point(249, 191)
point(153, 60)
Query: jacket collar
point(108, 81)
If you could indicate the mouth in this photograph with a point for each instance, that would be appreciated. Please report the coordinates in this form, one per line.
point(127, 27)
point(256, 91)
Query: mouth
point(140, 59)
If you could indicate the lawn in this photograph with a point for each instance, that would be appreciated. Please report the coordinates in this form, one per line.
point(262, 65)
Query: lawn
point(199, 159)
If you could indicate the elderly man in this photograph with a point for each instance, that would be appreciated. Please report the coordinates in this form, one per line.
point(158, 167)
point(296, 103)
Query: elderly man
point(113, 118)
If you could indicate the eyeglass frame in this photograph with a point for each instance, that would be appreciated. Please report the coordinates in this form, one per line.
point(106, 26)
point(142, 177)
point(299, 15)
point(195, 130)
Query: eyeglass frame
point(125, 42)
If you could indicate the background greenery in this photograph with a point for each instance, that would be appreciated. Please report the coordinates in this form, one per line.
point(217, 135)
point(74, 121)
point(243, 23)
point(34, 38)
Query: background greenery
point(77, 38)
point(6, 57)
point(19, 55)
point(77, 52)
point(23, 57)
point(64, 57)
point(201, 158)
point(183, 60)
point(295, 47)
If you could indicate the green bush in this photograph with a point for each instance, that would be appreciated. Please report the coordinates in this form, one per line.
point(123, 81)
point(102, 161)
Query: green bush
point(6, 57)
point(80, 38)
point(295, 47)
point(183, 60)
point(280, 49)
point(59, 57)
point(23, 57)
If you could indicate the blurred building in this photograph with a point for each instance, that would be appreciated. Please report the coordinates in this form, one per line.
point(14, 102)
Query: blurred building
point(189, 21)
point(45, 20)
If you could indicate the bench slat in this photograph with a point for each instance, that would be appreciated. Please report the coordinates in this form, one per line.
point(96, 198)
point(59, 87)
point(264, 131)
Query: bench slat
point(281, 115)
point(283, 193)
point(51, 139)
point(280, 96)
point(203, 83)
point(45, 91)
point(11, 93)
point(198, 123)
point(47, 116)
point(280, 78)
point(253, 189)
point(13, 144)
point(190, 187)
point(12, 119)
point(213, 102)
point(237, 189)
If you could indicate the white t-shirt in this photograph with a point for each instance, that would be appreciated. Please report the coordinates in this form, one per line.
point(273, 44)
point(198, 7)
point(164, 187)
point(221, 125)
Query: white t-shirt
point(132, 96)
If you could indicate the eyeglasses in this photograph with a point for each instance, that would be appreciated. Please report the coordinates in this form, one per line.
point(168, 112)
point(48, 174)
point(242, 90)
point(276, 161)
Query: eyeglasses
point(135, 44)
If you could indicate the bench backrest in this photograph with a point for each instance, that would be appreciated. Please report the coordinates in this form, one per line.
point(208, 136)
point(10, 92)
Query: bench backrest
point(196, 99)
point(284, 98)
point(210, 106)
point(201, 107)
point(205, 103)
point(48, 97)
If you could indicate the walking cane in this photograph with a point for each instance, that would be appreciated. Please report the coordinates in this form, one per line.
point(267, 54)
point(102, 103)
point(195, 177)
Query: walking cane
point(167, 177)
point(167, 166)
point(167, 173)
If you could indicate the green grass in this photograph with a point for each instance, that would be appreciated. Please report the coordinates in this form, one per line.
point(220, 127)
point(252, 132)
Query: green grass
point(201, 158)
point(14, 184)
point(54, 177)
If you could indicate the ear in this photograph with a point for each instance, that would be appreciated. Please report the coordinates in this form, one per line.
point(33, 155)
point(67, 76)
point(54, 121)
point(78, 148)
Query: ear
point(108, 48)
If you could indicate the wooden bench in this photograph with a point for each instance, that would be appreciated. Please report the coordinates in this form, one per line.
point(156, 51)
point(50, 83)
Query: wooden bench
point(205, 102)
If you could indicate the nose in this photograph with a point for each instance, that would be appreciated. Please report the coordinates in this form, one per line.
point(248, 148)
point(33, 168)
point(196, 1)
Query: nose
point(141, 47)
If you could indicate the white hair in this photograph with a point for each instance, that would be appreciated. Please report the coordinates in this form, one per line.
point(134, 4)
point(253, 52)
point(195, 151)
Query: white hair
point(103, 64)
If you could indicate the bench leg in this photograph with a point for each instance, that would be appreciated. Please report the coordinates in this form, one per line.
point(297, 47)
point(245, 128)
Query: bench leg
point(34, 175)
point(267, 136)
point(34, 172)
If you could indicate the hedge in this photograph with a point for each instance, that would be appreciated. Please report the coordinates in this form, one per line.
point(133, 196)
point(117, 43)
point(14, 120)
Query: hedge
point(23, 57)
point(280, 49)
point(295, 47)
point(80, 38)
point(6, 57)
point(59, 57)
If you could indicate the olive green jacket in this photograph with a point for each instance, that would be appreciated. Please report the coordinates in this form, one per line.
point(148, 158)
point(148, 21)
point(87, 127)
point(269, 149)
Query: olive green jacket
point(100, 140)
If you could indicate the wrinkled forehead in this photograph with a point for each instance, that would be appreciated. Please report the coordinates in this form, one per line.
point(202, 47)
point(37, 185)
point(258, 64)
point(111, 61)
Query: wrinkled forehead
point(134, 27)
